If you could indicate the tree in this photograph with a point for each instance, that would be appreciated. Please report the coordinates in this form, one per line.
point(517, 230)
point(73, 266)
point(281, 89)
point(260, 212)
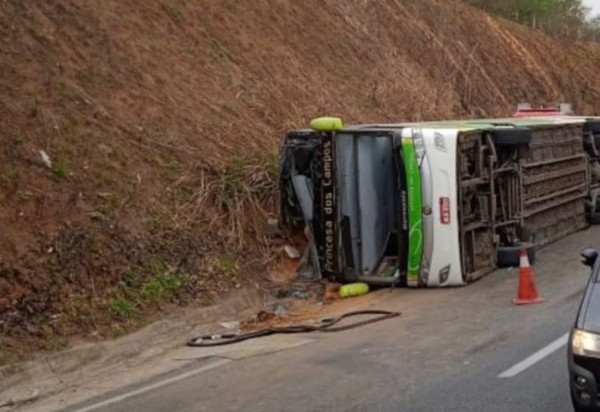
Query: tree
point(556, 17)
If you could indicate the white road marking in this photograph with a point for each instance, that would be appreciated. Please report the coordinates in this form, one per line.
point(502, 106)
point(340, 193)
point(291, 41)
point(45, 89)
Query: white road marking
point(536, 357)
point(154, 386)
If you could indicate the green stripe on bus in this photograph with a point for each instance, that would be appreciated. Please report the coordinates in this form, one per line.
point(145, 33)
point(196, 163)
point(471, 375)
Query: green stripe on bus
point(415, 214)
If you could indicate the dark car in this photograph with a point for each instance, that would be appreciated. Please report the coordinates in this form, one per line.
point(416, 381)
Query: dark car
point(584, 343)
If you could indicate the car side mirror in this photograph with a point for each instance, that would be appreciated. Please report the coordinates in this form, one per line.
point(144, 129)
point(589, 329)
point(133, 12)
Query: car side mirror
point(589, 256)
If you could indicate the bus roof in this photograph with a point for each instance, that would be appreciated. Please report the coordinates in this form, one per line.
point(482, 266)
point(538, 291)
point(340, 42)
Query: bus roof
point(476, 124)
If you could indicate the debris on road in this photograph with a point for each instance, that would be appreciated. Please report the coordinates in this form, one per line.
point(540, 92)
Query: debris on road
point(279, 310)
point(46, 159)
point(325, 325)
point(296, 292)
point(230, 325)
point(292, 252)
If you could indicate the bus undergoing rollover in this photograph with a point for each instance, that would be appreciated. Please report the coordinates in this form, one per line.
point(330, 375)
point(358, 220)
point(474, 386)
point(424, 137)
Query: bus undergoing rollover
point(438, 203)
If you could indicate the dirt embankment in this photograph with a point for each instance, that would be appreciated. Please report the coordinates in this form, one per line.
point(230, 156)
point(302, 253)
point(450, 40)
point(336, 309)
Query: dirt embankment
point(161, 122)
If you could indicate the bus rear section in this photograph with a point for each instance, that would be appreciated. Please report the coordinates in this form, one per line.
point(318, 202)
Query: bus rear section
point(555, 183)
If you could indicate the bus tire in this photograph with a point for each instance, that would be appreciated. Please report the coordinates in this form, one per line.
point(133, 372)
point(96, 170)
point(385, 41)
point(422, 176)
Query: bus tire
point(515, 136)
point(527, 234)
point(589, 207)
point(592, 208)
point(592, 126)
point(510, 256)
point(593, 218)
point(593, 212)
point(594, 146)
point(350, 276)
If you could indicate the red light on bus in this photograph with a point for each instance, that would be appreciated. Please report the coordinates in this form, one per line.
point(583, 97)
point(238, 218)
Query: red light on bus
point(445, 210)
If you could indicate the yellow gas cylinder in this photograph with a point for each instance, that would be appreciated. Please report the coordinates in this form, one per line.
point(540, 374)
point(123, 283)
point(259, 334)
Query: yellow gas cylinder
point(354, 289)
point(327, 124)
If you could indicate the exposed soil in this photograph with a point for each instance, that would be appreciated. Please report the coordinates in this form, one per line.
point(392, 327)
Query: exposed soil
point(162, 121)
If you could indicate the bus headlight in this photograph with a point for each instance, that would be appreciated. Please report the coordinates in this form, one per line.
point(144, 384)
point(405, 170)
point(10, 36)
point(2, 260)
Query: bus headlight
point(586, 344)
point(419, 146)
point(444, 275)
point(439, 142)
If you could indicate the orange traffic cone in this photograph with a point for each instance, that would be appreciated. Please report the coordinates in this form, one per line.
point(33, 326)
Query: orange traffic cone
point(527, 292)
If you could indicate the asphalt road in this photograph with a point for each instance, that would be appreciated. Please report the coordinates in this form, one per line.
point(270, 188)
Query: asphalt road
point(446, 353)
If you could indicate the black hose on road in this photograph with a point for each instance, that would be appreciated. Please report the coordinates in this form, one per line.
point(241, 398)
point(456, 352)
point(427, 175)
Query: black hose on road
point(324, 326)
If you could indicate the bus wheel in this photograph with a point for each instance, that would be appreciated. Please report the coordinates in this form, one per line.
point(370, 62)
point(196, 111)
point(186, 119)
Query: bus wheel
point(592, 126)
point(592, 207)
point(593, 213)
point(509, 256)
point(594, 218)
point(514, 136)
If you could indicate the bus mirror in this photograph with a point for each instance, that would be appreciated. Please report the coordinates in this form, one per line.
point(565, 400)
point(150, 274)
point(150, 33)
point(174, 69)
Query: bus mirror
point(589, 256)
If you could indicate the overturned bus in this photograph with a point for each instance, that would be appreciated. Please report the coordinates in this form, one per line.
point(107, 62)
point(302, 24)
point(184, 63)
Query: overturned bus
point(437, 203)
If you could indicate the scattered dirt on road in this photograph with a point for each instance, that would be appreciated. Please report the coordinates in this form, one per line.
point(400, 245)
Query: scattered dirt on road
point(325, 303)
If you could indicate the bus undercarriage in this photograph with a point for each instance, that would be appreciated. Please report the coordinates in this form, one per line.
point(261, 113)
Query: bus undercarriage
point(519, 188)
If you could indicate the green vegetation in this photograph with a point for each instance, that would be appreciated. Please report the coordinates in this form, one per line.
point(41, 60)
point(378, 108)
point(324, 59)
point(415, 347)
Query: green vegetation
point(227, 267)
point(10, 172)
point(232, 181)
point(174, 164)
point(272, 166)
point(556, 17)
point(60, 169)
point(52, 342)
point(105, 178)
point(25, 194)
point(162, 286)
point(110, 203)
point(135, 290)
point(178, 13)
point(121, 308)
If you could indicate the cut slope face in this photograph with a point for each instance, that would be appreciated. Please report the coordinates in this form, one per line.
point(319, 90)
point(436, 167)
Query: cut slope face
point(162, 122)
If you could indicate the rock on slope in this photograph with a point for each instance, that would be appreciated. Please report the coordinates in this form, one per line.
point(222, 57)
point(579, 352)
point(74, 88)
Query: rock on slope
point(162, 121)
